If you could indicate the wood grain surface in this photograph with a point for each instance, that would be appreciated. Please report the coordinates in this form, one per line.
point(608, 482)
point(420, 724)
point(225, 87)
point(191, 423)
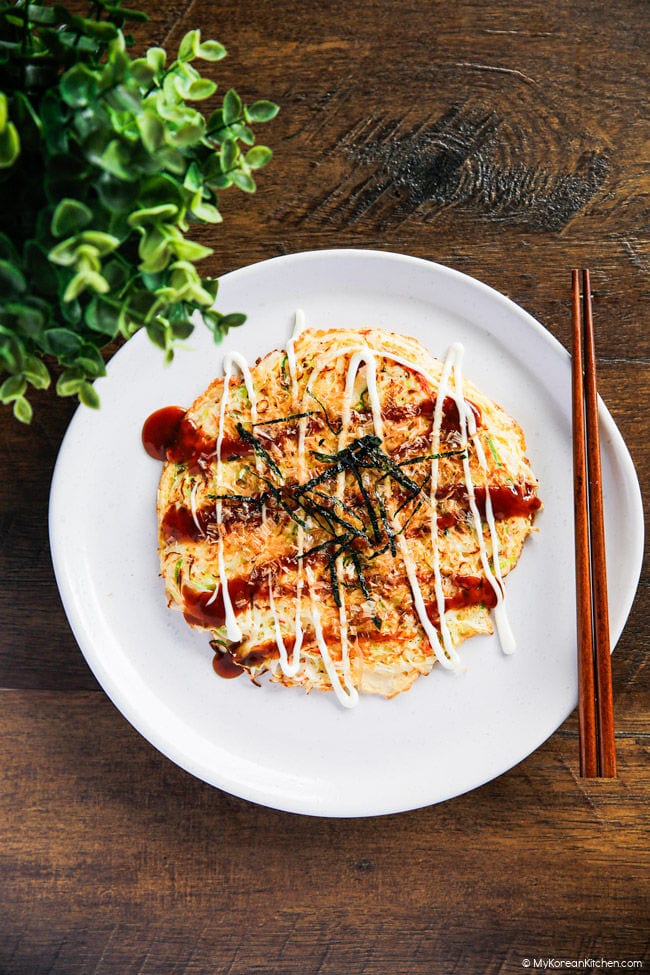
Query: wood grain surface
point(510, 142)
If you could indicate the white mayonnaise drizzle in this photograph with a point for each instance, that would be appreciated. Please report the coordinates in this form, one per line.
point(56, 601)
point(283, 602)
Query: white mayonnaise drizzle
point(288, 668)
point(298, 326)
point(450, 383)
point(195, 518)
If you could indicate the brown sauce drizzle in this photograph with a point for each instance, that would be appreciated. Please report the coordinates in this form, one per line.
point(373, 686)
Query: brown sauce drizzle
point(201, 609)
point(425, 407)
point(509, 500)
point(161, 430)
point(169, 434)
point(225, 665)
point(179, 525)
point(470, 591)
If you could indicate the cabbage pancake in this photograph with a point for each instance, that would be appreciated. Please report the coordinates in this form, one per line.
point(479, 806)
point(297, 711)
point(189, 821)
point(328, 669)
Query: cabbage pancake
point(342, 514)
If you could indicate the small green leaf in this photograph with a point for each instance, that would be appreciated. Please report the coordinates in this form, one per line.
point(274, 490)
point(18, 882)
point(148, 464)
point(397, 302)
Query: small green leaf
point(190, 250)
point(91, 361)
point(215, 120)
point(12, 388)
point(244, 181)
point(193, 178)
point(240, 131)
point(152, 130)
point(84, 280)
point(262, 111)
point(233, 320)
point(232, 107)
point(188, 133)
point(29, 320)
point(102, 316)
point(142, 71)
point(76, 286)
point(200, 89)
point(91, 367)
point(104, 243)
point(116, 159)
point(79, 86)
point(182, 329)
point(69, 382)
point(69, 217)
point(9, 145)
point(187, 49)
point(228, 155)
point(211, 51)
point(98, 30)
point(23, 410)
point(153, 215)
point(61, 342)
point(156, 57)
point(64, 253)
point(127, 13)
point(154, 251)
point(206, 211)
point(157, 334)
point(211, 285)
point(258, 156)
point(11, 279)
point(88, 395)
point(36, 373)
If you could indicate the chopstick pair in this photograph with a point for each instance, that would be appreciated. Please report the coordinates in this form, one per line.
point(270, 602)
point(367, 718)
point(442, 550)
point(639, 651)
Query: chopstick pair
point(595, 702)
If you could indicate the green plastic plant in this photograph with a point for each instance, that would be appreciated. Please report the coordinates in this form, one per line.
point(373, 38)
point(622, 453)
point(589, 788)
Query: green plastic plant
point(105, 163)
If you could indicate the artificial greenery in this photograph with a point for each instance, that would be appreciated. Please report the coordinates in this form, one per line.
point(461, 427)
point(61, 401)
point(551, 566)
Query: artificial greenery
point(105, 163)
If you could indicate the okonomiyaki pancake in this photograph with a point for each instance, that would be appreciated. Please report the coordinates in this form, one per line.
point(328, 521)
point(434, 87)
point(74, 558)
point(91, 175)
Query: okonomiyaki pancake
point(342, 514)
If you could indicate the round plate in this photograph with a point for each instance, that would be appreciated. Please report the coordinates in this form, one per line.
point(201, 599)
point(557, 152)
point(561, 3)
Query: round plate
point(278, 746)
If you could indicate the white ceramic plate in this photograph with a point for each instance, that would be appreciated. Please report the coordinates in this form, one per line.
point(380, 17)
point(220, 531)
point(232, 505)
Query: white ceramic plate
point(280, 747)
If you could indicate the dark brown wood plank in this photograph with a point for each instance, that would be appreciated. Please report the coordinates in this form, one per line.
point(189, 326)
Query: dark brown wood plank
point(155, 850)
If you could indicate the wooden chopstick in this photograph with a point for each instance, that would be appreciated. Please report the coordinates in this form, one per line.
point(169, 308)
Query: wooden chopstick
point(595, 701)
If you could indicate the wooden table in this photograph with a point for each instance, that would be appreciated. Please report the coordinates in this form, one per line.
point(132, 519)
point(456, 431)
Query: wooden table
point(509, 141)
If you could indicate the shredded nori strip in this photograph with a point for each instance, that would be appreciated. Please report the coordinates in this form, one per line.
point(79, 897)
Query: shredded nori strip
point(329, 423)
point(341, 540)
point(258, 448)
point(356, 561)
point(445, 453)
point(285, 419)
point(334, 581)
